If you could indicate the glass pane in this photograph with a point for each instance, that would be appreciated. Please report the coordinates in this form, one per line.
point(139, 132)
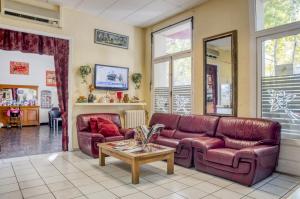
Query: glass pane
point(182, 90)
point(219, 76)
point(272, 13)
point(174, 39)
point(161, 76)
point(280, 92)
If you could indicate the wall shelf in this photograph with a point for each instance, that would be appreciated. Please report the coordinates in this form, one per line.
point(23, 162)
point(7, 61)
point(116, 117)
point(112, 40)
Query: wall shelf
point(110, 104)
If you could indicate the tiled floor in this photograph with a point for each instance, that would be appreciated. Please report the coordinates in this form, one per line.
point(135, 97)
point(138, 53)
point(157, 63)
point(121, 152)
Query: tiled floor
point(75, 175)
point(16, 142)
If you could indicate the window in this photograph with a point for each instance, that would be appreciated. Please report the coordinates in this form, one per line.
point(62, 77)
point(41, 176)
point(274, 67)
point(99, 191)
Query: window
point(278, 53)
point(273, 13)
point(172, 69)
point(280, 82)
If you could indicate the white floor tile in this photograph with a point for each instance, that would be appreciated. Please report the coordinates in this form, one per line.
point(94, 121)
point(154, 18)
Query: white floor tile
point(192, 193)
point(67, 193)
point(157, 192)
point(12, 195)
point(123, 190)
point(225, 194)
point(57, 186)
point(103, 195)
point(258, 194)
point(9, 188)
point(174, 186)
point(138, 195)
point(31, 183)
point(240, 188)
point(34, 191)
point(91, 188)
point(273, 189)
point(208, 187)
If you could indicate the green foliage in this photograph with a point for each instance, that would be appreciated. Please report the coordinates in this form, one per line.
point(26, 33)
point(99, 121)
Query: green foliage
point(84, 71)
point(137, 79)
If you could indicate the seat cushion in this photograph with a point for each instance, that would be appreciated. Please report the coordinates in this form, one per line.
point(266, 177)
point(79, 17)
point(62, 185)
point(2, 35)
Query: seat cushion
point(170, 142)
point(114, 138)
point(223, 156)
point(167, 133)
point(181, 135)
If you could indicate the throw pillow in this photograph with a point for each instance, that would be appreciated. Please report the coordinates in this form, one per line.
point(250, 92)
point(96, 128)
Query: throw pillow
point(94, 125)
point(108, 130)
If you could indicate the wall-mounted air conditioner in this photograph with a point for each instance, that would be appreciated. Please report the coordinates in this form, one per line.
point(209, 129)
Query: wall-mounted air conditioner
point(32, 10)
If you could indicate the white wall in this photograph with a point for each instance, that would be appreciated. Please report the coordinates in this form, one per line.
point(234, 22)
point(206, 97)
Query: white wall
point(38, 64)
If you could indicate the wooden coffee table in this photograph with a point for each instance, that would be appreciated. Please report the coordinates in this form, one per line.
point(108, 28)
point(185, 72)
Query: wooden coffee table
point(135, 159)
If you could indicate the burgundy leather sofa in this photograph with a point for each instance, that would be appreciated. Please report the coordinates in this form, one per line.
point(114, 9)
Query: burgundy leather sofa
point(244, 150)
point(179, 130)
point(240, 149)
point(88, 141)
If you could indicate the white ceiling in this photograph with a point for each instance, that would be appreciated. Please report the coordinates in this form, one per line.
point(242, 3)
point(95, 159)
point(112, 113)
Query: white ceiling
point(140, 13)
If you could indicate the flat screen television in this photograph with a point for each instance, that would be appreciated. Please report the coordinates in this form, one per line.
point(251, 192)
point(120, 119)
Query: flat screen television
point(111, 77)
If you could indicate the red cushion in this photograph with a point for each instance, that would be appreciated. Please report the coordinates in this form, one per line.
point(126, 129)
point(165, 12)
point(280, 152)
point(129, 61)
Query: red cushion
point(94, 125)
point(103, 120)
point(108, 130)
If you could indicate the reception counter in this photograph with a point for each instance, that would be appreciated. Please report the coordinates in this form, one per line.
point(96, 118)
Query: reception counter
point(30, 117)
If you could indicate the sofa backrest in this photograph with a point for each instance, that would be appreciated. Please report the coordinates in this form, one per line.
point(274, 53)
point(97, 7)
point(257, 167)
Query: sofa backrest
point(196, 125)
point(83, 120)
point(169, 120)
point(244, 132)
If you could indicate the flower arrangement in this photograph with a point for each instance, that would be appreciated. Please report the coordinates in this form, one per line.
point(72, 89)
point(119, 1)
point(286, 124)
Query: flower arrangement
point(84, 71)
point(137, 79)
point(144, 134)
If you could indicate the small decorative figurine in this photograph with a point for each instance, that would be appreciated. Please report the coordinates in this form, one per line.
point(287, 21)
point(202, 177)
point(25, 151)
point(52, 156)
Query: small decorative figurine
point(91, 97)
point(126, 98)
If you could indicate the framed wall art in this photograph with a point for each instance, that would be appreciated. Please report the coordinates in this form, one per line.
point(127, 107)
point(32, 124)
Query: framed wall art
point(19, 68)
point(111, 39)
point(46, 99)
point(50, 78)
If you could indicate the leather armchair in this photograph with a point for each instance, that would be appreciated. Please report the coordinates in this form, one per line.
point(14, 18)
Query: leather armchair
point(88, 141)
point(245, 150)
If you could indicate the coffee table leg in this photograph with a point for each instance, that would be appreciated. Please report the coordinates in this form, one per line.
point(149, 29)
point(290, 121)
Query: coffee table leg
point(135, 172)
point(101, 158)
point(170, 164)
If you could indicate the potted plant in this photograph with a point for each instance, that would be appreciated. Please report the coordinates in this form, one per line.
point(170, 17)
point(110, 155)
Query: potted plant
point(137, 79)
point(84, 71)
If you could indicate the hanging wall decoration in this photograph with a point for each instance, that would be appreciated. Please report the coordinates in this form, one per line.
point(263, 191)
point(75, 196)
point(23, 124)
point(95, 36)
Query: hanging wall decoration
point(111, 39)
point(50, 78)
point(19, 68)
point(46, 99)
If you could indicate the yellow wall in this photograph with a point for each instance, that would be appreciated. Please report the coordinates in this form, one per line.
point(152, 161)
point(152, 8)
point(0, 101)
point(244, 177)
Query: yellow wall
point(212, 18)
point(79, 27)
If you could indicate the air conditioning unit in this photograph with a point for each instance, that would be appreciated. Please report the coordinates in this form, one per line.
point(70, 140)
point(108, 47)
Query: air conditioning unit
point(212, 53)
point(32, 10)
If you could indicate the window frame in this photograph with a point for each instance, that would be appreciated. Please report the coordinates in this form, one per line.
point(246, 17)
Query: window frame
point(257, 37)
point(170, 58)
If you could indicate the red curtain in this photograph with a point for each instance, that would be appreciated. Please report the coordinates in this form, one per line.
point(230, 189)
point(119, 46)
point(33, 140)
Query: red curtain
point(59, 48)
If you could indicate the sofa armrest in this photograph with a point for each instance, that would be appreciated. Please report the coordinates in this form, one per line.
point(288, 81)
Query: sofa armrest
point(86, 134)
point(206, 143)
point(127, 133)
point(254, 152)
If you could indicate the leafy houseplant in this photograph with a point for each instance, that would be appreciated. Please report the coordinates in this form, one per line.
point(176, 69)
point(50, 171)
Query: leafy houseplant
point(84, 71)
point(137, 79)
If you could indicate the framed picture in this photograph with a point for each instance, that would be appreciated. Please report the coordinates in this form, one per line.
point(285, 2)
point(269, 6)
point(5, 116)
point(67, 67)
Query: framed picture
point(46, 99)
point(19, 68)
point(111, 39)
point(50, 78)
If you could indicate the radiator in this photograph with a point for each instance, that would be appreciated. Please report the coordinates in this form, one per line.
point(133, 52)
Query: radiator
point(134, 118)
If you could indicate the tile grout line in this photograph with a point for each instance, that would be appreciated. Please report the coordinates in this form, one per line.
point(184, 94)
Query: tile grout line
point(17, 179)
point(88, 177)
point(41, 178)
